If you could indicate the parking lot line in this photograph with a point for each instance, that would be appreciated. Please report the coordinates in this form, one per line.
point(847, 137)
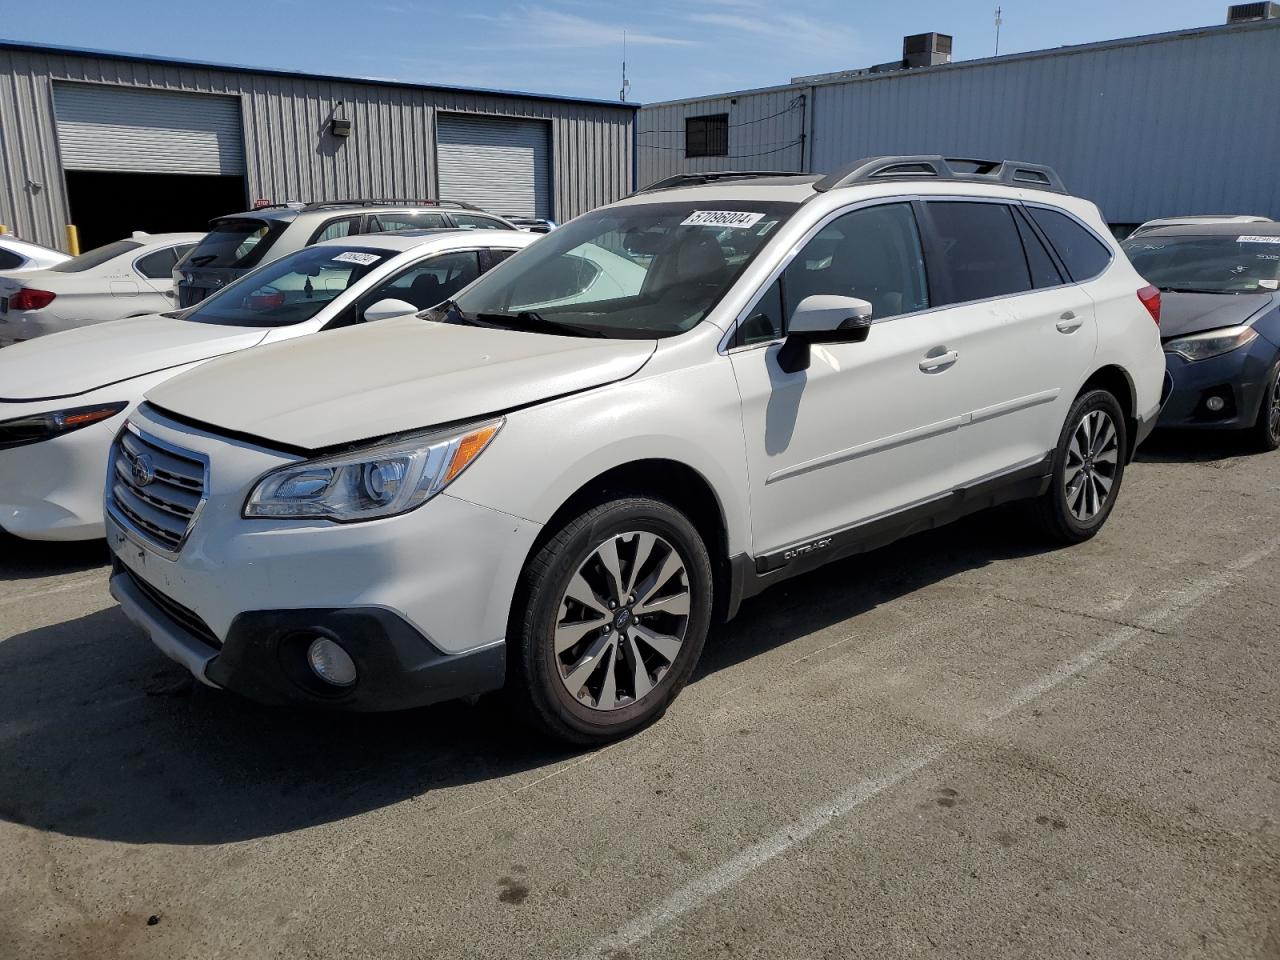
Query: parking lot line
point(1175, 608)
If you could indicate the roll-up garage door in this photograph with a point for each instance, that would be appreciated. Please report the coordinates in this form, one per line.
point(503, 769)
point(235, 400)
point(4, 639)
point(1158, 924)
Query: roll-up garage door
point(132, 130)
point(498, 163)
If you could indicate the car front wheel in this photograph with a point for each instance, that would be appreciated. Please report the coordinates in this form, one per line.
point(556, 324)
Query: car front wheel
point(1266, 430)
point(613, 612)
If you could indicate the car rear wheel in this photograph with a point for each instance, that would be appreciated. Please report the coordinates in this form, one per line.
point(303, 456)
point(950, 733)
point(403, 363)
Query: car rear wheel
point(1266, 430)
point(613, 612)
point(1088, 467)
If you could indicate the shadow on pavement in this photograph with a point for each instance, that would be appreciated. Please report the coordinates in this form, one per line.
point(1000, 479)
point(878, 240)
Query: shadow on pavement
point(1195, 446)
point(33, 559)
point(100, 736)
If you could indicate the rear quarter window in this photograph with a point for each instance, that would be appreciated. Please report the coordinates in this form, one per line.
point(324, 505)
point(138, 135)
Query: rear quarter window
point(10, 260)
point(1083, 254)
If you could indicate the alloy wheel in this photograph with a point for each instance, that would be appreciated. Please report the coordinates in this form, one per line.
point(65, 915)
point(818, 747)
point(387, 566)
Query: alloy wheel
point(1093, 458)
point(622, 620)
point(1273, 421)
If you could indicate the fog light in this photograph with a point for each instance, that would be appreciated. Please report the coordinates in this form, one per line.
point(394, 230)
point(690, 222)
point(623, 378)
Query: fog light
point(1215, 404)
point(331, 663)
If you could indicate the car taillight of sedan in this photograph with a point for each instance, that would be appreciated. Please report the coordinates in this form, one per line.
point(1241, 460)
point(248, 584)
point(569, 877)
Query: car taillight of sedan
point(31, 299)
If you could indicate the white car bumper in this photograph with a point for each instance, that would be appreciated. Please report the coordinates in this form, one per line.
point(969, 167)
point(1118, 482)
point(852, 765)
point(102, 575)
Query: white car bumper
point(420, 601)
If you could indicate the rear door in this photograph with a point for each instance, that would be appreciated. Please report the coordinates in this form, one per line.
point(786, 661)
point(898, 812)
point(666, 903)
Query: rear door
point(1024, 334)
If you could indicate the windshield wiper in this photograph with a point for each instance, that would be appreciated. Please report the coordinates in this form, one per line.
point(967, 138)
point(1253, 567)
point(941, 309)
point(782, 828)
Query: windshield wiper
point(1193, 290)
point(528, 320)
point(203, 259)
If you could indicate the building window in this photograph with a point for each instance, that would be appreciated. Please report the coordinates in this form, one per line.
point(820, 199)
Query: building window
point(707, 136)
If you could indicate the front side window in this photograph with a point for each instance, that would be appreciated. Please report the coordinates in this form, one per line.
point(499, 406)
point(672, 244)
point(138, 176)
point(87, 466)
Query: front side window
point(1235, 263)
point(290, 290)
point(707, 136)
point(633, 271)
point(96, 257)
point(471, 221)
point(1083, 254)
point(431, 282)
point(238, 242)
point(980, 249)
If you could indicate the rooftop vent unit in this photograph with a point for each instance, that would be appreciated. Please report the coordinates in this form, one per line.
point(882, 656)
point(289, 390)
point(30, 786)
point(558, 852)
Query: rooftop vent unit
point(1244, 12)
point(929, 49)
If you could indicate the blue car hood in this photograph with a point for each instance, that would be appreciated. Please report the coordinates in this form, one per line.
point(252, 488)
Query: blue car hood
point(1185, 313)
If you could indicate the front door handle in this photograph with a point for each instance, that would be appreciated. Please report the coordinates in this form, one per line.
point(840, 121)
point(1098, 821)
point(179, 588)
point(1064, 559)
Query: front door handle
point(1069, 323)
point(941, 361)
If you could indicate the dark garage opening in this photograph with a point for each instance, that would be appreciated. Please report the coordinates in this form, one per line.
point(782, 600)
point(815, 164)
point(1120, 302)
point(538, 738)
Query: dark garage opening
point(109, 206)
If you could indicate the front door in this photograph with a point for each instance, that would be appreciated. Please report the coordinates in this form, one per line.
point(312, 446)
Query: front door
point(869, 428)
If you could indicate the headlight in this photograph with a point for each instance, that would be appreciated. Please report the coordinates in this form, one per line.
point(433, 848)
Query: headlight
point(1211, 343)
point(376, 481)
point(45, 426)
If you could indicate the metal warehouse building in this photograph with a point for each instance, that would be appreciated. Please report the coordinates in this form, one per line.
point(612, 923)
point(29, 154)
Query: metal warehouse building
point(113, 143)
point(1174, 123)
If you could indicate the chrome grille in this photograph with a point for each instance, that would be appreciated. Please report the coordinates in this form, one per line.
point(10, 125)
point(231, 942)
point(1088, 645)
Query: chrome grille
point(156, 488)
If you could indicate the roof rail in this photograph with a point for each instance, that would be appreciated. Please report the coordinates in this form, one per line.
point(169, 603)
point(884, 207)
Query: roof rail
point(454, 204)
point(714, 176)
point(1011, 173)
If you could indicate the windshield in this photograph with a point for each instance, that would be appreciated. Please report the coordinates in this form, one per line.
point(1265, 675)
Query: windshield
point(96, 257)
point(238, 242)
point(289, 290)
point(1235, 263)
point(629, 272)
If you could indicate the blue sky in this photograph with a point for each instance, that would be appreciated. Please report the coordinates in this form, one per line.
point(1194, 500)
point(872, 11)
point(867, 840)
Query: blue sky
point(677, 48)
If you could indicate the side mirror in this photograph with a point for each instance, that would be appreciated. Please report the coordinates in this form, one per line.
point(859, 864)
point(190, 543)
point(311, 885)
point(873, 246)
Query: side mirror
point(386, 309)
point(823, 318)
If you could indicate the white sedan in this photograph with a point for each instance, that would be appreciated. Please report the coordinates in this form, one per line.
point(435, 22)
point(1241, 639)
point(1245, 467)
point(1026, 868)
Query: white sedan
point(64, 396)
point(127, 278)
point(19, 256)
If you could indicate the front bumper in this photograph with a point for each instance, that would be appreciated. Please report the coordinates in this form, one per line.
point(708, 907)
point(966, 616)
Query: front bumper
point(1238, 377)
point(264, 655)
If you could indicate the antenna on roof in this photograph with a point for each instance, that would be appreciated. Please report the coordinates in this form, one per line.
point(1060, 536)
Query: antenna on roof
point(626, 84)
point(999, 24)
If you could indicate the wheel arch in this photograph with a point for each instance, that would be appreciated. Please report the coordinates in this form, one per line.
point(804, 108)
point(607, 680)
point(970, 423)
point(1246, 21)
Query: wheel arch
point(673, 481)
point(1116, 381)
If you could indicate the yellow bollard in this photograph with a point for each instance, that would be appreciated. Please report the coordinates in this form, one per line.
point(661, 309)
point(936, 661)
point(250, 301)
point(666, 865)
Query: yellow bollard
point(73, 240)
point(3, 229)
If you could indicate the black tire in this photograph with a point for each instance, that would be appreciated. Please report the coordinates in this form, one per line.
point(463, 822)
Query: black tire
point(1051, 512)
point(1265, 433)
point(535, 669)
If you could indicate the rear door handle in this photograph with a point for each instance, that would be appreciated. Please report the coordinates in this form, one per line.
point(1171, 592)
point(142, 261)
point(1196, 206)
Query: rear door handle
point(1069, 323)
point(939, 361)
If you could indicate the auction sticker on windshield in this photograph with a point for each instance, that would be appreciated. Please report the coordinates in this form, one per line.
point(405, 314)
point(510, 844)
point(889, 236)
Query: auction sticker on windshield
point(1257, 239)
point(351, 256)
point(722, 218)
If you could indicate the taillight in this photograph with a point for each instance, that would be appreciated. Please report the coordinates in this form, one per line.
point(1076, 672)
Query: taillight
point(1150, 297)
point(31, 299)
point(266, 301)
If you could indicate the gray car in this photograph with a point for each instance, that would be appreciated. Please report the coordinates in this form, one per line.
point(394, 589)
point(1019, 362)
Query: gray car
point(237, 243)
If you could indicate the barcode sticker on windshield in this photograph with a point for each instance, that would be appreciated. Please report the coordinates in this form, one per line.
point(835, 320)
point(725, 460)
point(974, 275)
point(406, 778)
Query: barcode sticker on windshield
point(351, 256)
point(1257, 239)
point(722, 218)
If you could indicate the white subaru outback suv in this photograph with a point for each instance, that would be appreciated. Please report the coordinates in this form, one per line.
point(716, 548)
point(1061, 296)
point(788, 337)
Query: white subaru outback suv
point(555, 480)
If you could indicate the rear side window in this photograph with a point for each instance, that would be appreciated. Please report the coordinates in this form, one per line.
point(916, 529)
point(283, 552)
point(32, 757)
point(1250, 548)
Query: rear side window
point(980, 249)
point(1084, 255)
point(337, 228)
point(10, 260)
point(240, 242)
point(1044, 272)
point(470, 221)
point(386, 222)
point(158, 265)
point(96, 257)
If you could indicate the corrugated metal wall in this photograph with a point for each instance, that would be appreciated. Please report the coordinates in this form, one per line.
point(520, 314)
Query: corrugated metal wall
point(764, 133)
point(1173, 124)
point(289, 154)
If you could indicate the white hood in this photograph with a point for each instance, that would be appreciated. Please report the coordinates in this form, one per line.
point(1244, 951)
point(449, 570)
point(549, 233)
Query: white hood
point(76, 361)
point(388, 377)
